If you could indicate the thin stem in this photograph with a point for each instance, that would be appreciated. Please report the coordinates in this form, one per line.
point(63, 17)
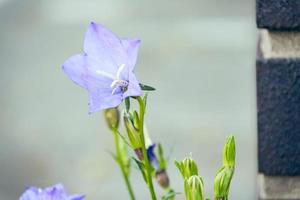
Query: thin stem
point(122, 165)
point(144, 149)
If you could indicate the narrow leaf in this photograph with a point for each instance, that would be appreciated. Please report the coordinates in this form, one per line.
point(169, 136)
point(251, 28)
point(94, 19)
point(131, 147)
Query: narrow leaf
point(141, 168)
point(146, 87)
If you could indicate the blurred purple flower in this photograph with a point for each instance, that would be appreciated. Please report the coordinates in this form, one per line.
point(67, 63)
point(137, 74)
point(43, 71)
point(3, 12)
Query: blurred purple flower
point(106, 68)
point(56, 192)
point(152, 157)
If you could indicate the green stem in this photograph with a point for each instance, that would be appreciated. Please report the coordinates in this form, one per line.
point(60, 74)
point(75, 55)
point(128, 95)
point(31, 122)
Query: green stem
point(122, 166)
point(144, 149)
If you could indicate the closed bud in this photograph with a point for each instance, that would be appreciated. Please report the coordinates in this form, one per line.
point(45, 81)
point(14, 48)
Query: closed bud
point(136, 121)
point(163, 179)
point(229, 152)
point(187, 167)
point(133, 134)
point(112, 117)
point(194, 188)
point(222, 182)
point(139, 153)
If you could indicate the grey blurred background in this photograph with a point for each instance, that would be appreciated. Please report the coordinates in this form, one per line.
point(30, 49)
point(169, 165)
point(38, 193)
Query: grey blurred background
point(199, 54)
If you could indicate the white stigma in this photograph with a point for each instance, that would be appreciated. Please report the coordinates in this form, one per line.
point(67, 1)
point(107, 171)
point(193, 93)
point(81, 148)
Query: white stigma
point(117, 81)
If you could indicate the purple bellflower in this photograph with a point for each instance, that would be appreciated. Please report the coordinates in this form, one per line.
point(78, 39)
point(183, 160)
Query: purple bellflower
point(56, 192)
point(106, 68)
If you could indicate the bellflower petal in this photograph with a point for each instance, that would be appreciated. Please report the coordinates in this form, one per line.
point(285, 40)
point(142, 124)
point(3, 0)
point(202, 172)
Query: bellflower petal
point(103, 45)
point(132, 49)
point(106, 69)
point(75, 68)
point(133, 87)
point(102, 99)
point(56, 192)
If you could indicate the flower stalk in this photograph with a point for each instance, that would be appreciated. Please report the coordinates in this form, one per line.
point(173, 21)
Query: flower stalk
point(112, 117)
point(120, 160)
point(144, 149)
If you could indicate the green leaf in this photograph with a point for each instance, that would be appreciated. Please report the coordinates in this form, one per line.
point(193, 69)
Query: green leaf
point(141, 168)
point(146, 87)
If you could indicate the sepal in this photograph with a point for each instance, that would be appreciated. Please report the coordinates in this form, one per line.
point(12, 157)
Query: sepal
point(187, 167)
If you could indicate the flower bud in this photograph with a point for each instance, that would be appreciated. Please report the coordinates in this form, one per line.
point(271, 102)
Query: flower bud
point(162, 178)
point(222, 182)
point(229, 152)
point(112, 117)
point(194, 189)
point(139, 153)
point(133, 135)
point(136, 121)
point(187, 167)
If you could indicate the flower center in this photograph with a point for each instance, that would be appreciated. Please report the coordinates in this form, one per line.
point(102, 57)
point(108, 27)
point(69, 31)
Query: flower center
point(117, 83)
point(123, 85)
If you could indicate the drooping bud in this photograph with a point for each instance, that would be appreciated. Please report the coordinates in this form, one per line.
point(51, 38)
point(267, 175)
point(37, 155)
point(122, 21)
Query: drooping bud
point(187, 167)
point(162, 179)
point(222, 182)
point(229, 152)
point(112, 117)
point(194, 188)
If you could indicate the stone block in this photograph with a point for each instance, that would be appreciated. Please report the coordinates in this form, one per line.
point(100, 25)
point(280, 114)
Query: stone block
point(279, 187)
point(278, 103)
point(278, 14)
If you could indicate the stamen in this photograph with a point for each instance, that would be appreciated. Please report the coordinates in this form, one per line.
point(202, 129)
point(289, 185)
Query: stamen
point(114, 83)
point(117, 81)
point(105, 74)
point(120, 70)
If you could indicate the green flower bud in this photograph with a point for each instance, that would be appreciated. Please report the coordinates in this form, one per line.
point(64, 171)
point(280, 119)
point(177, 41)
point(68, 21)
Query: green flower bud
point(222, 182)
point(132, 133)
point(136, 121)
point(229, 152)
point(112, 117)
point(194, 188)
point(187, 167)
